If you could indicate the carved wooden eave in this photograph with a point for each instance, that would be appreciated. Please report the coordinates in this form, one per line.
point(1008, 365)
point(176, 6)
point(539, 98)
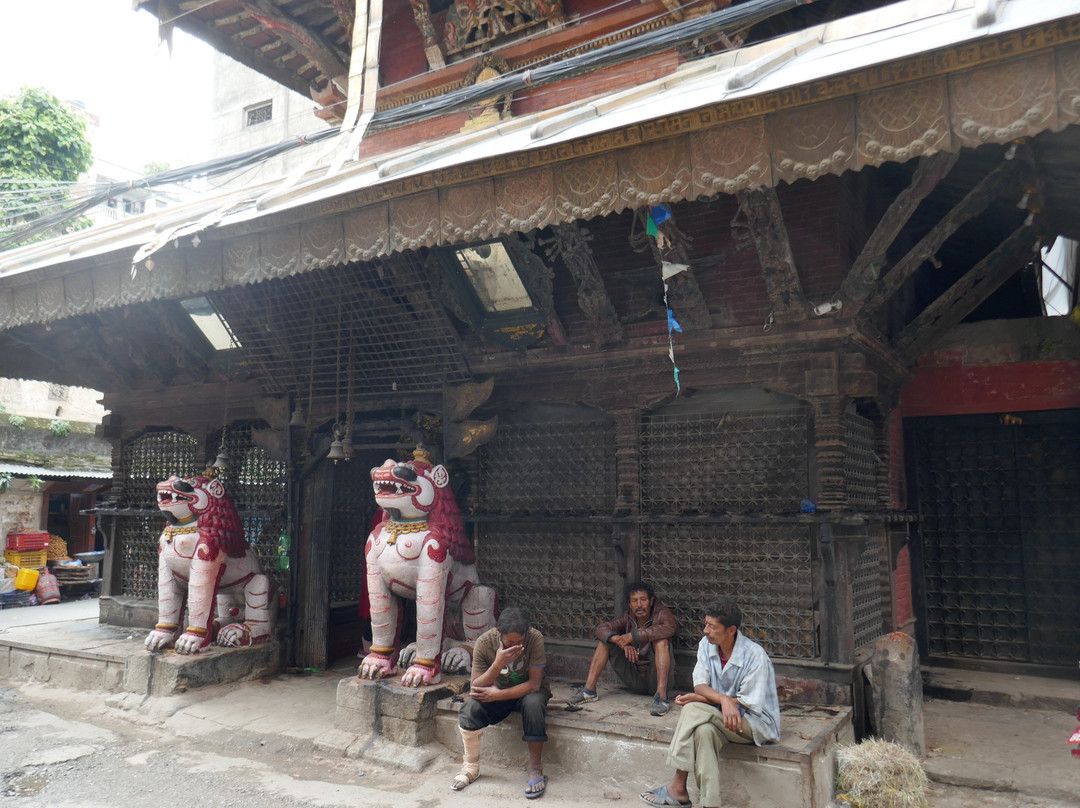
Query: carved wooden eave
point(959, 97)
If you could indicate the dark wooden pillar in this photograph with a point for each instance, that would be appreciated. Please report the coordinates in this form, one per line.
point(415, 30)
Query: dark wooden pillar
point(313, 575)
point(627, 484)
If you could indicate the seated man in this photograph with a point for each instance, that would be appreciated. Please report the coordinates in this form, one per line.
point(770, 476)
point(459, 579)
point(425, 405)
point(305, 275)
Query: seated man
point(638, 644)
point(734, 700)
point(507, 674)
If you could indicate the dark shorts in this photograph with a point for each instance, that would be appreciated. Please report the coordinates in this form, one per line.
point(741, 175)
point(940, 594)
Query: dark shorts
point(479, 714)
point(632, 677)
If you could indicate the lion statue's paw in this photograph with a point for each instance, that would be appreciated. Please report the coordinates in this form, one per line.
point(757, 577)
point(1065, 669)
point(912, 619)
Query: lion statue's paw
point(158, 640)
point(375, 666)
point(420, 676)
point(457, 659)
point(190, 643)
point(408, 654)
point(235, 635)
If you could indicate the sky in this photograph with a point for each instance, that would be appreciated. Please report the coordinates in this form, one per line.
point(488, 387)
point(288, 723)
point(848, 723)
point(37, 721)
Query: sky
point(152, 106)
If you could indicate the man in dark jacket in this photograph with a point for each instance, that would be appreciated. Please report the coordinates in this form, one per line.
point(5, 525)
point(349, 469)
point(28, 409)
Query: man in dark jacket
point(638, 644)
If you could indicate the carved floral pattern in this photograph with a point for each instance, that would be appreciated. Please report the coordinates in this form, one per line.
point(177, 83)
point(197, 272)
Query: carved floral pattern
point(279, 251)
point(240, 261)
point(728, 159)
point(1068, 80)
point(367, 232)
point(902, 123)
point(586, 188)
point(322, 243)
point(1004, 102)
point(468, 211)
point(655, 173)
point(107, 287)
point(524, 200)
point(50, 299)
point(414, 221)
point(812, 141)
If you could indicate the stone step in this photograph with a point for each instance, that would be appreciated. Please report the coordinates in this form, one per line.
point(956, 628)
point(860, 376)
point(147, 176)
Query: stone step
point(81, 655)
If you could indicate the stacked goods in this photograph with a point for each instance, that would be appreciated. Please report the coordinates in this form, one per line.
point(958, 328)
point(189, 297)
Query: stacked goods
point(28, 540)
point(57, 549)
point(31, 559)
point(71, 573)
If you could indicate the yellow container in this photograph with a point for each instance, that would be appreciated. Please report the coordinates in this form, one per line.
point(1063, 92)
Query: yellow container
point(26, 579)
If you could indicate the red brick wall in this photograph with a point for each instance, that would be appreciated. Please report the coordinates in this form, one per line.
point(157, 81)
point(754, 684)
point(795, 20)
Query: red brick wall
point(902, 605)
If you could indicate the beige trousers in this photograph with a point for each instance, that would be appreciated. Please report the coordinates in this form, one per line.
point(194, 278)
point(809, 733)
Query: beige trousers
point(695, 747)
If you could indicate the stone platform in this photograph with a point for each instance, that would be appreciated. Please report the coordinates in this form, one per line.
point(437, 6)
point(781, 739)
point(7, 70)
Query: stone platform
point(83, 654)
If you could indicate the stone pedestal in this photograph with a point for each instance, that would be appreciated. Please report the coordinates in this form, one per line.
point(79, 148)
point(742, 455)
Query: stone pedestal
point(403, 715)
point(896, 692)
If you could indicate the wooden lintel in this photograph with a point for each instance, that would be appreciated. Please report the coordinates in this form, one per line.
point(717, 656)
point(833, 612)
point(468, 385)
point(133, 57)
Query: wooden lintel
point(310, 44)
point(766, 221)
point(871, 261)
point(990, 188)
point(967, 294)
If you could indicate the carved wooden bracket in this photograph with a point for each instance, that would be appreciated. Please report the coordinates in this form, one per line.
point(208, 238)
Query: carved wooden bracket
point(992, 186)
point(570, 243)
point(871, 261)
point(421, 10)
point(684, 296)
point(967, 294)
point(302, 39)
point(762, 209)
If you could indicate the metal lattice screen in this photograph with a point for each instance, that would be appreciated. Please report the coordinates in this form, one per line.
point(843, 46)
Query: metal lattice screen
point(734, 461)
point(998, 508)
point(860, 462)
point(146, 461)
point(765, 568)
point(381, 321)
point(563, 466)
point(563, 574)
point(255, 483)
point(866, 592)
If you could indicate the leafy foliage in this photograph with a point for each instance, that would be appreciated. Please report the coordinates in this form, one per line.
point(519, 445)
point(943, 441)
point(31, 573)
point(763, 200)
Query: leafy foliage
point(60, 428)
point(43, 144)
point(17, 420)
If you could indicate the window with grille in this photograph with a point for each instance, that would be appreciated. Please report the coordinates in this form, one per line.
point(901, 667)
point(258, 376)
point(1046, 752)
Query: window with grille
point(258, 113)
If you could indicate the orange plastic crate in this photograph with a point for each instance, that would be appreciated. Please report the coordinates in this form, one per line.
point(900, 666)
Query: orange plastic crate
point(31, 559)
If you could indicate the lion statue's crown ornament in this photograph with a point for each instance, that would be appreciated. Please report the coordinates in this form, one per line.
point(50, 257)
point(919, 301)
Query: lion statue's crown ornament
point(203, 555)
point(418, 550)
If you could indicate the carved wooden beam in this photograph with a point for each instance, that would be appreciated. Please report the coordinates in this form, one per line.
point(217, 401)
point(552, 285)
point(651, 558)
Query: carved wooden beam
point(684, 296)
point(421, 10)
point(302, 39)
point(871, 261)
point(570, 243)
point(766, 221)
point(967, 294)
point(978, 199)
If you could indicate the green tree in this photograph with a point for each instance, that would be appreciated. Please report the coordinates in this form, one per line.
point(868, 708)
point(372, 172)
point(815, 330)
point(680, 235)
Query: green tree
point(43, 148)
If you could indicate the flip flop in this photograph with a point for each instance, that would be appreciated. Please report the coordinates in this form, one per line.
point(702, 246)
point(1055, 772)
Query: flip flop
point(661, 796)
point(540, 781)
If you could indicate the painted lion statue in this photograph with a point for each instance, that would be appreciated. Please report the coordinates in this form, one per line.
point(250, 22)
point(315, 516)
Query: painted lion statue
point(205, 560)
point(418, 550)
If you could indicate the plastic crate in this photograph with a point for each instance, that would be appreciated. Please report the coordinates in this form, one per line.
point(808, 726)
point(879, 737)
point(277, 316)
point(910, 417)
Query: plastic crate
point(32, 559)
point(28, 540)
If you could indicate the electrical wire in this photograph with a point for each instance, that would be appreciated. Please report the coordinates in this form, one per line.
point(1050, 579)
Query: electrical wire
point(724, 21)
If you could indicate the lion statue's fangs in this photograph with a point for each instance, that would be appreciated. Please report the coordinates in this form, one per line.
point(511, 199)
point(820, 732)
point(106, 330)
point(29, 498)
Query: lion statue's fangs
point(419, 550)
point(202, 553)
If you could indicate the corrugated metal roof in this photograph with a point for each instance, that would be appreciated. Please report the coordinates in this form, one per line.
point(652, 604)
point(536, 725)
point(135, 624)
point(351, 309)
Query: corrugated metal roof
point(899, 31)
point(67, 474)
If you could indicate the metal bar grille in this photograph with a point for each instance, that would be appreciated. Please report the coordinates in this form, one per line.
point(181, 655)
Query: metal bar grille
point(860, 462)
point(300, 333)
point(976, 601)
point(257, 488)
point(564, 575)
point(766, 569)
point(564, 466)
point(866, 601)
point(735, 461)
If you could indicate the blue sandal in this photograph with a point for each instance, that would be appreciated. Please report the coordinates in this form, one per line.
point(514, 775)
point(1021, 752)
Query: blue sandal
point(662, 797)
point(536, 787)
